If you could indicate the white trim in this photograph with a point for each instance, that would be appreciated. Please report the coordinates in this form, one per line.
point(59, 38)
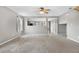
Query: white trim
point(10, 39)
point(73, 40)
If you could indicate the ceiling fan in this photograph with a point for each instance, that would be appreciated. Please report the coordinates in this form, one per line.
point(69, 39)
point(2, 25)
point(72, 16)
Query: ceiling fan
point(43, 10)
point(76, 8)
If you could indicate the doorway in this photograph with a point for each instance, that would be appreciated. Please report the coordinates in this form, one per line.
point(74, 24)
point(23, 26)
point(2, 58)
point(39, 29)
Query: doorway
point(62, 30)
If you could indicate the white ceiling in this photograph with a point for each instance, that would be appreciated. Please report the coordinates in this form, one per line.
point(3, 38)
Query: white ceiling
point(34, 10)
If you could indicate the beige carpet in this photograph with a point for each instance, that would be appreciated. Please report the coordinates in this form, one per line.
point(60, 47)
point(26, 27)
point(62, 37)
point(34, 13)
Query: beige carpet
point(40, 44)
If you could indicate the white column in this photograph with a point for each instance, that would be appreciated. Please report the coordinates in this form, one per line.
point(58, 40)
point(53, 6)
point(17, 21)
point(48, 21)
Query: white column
point(19, 24)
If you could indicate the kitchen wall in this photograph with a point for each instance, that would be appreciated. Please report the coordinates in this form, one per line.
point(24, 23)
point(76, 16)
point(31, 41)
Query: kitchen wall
point(7, 24)
point(42, 27)
point(39, 27)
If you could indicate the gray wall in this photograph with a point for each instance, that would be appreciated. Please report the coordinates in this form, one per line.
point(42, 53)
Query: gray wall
point(72, 21)
point(7, 23)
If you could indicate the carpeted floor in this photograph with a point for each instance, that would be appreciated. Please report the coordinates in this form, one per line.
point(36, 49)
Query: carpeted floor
point(40, 44)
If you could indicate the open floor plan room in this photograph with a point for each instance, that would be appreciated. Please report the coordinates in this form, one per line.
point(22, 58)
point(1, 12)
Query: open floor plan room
point(39, 29)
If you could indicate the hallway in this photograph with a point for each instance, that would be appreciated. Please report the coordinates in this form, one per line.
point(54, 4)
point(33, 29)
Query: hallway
point(40, 44)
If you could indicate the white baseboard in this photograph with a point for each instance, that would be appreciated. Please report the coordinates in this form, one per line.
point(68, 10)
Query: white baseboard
point(10, 39)
point(74, 40)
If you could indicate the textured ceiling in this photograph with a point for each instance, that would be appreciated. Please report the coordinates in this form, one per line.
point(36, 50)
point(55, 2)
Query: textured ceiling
point(34, 10)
